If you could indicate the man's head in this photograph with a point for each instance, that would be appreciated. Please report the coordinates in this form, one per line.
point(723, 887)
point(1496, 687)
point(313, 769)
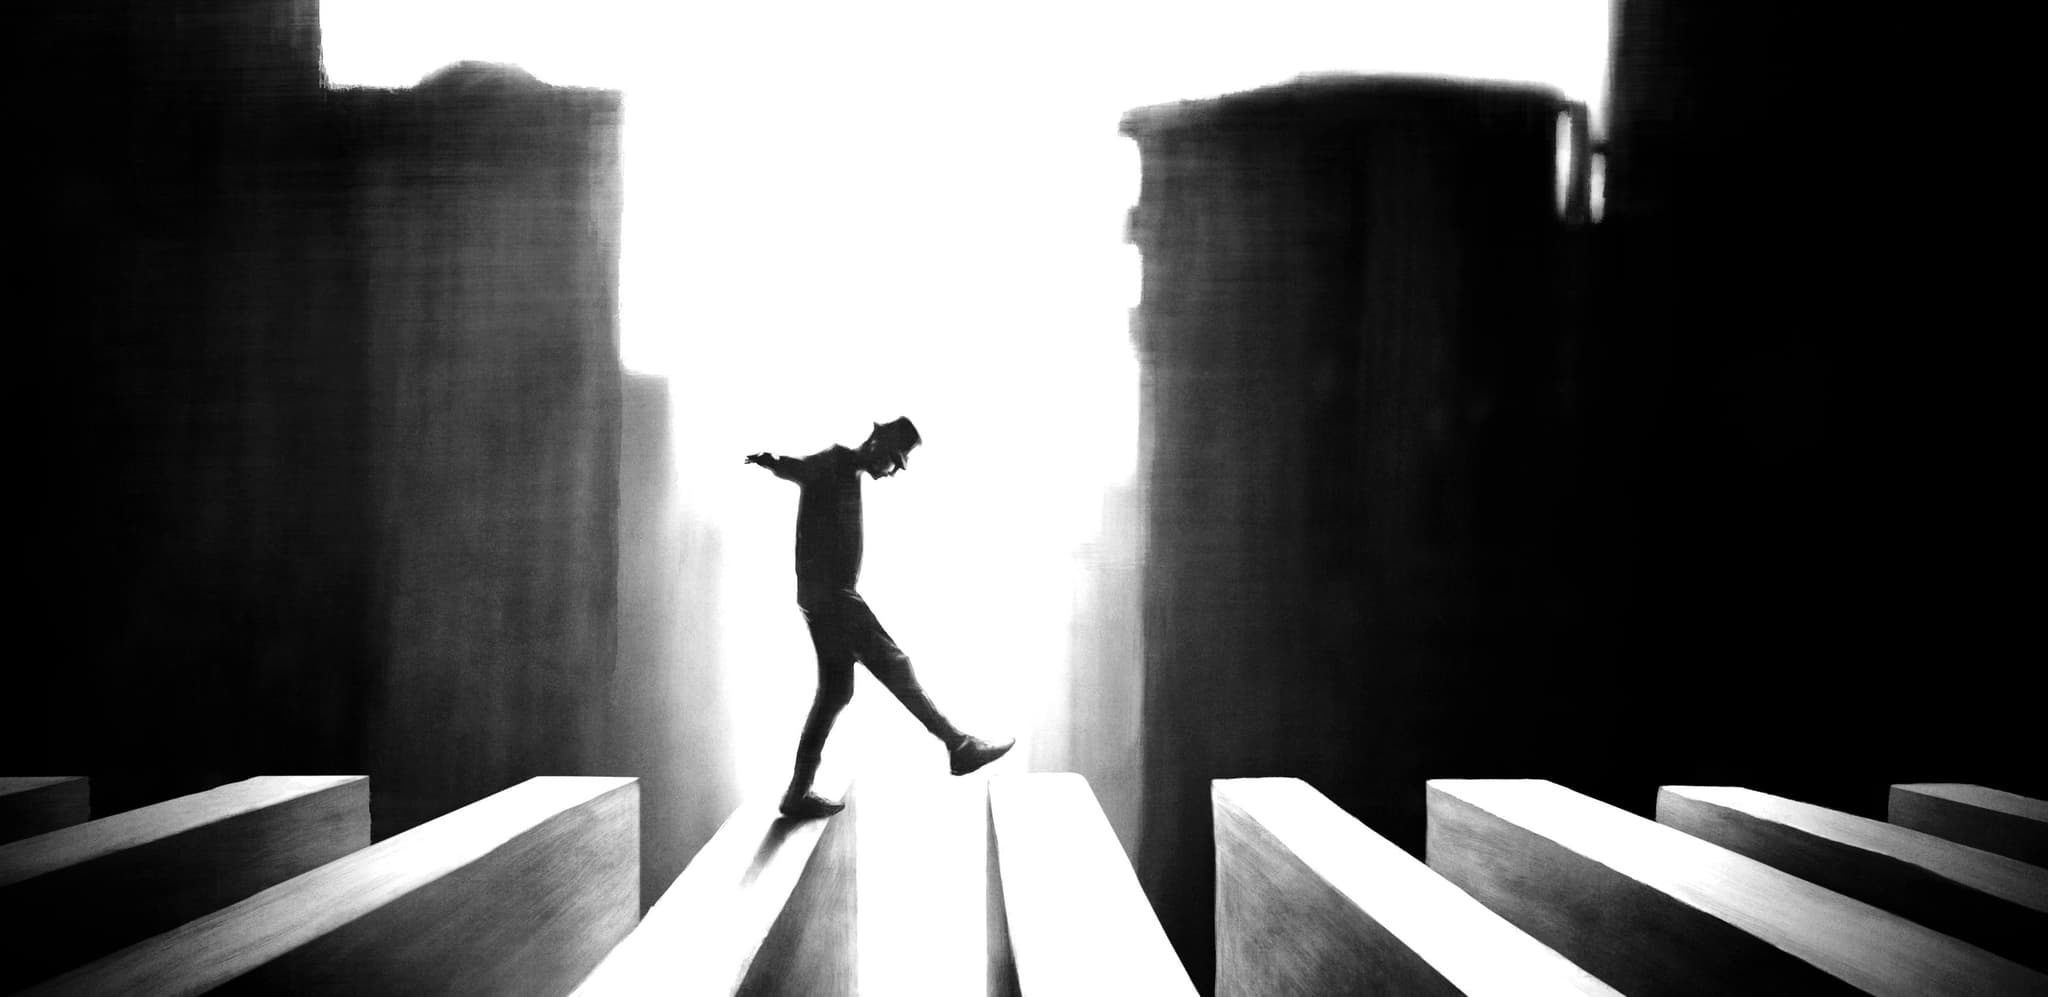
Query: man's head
point(887, 449)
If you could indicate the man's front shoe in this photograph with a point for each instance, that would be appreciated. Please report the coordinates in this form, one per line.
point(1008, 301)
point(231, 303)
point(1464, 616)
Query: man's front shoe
point(974, 753)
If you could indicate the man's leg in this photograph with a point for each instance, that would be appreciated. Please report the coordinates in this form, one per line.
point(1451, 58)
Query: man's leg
point(835, 690)
point(892, 668)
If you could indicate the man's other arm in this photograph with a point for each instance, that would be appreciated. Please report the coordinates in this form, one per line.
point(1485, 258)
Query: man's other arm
point(787, 468)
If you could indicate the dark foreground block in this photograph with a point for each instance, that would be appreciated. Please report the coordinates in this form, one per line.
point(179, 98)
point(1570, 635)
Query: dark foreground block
point(1653, 910)
point(1076, 920)
point(31, 805)
point(1986, 899)
point(1991, 819)
point(78, 893)
point(1310, 901)
point(520, 893)
point(766, 907)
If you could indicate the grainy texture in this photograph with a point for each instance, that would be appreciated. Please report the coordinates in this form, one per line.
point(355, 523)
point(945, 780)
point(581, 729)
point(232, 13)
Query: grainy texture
point(1350, 332)
point(519, 893)
point(34, 804)
point(1309, 901)
point(1986, 899)
point(336, 447)
point(1991, 819)
point(1426, 498)
point(488, 208)
point(81, 892)
point(1652, 910)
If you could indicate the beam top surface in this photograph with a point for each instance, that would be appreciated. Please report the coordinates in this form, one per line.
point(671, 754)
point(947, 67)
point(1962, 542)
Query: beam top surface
point(70, 846)
point(1079, 922)
point(921, 865)
point(252, 932)
point(1853, 941)
point(1988, 872)
point(1475, 949)
point(1982, 797)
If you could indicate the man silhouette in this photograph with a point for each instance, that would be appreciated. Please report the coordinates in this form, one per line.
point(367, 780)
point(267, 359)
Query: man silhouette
point(843, 628)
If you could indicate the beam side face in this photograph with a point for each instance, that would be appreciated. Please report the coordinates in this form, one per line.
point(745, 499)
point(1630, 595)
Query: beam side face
point(32, 805)
point(1281, 929)
point(530, 917)
point(1984, 798)
point(809, 950)
point(1995, 821)
point(96, 887)
point(1078, 922)
point(1999, 875)
point(1997, 903)
point(1313, 901)
point(1002, 959)
point(46, 853)
point(1649, 908)
point(522, 892)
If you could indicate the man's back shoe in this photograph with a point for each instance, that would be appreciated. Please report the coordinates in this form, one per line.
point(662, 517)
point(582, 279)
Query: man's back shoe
point(810, 806)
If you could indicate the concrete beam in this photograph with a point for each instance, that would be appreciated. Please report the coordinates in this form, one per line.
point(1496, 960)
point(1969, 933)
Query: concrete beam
point(519, 893)
point(766, 907)
point(1651, 909)
point(1076, 920)
point(32, 805)
point(1311, 901)
point(1991, 819)
point(1981, 897)
point(77, 893)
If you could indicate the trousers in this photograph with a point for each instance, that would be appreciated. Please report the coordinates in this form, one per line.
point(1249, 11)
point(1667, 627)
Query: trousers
point(844, 630)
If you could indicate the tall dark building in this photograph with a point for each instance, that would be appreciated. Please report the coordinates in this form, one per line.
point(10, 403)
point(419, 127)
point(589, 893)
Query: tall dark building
point(1354, 416)
point(325, 415)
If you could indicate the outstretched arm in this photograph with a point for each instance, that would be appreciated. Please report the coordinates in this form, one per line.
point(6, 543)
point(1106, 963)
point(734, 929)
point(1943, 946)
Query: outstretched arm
point(786, 468)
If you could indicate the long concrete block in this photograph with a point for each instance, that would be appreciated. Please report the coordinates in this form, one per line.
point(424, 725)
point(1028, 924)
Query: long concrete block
point(1653, 910)
point(32, 805)
point(1311, 901)
point(522, 892)
point(74, 894)
point(1077, 921)
point(1984, 898)
point(1991, 819)
point(765, 907)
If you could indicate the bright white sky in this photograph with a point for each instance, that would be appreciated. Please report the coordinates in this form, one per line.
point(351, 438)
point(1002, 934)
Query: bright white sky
point(837, 213)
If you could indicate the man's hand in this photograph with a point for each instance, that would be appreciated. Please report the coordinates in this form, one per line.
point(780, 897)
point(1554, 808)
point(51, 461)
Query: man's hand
point(786, 468)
